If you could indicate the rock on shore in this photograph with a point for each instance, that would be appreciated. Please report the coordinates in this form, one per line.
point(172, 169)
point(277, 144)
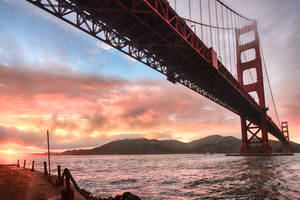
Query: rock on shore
point(125, 196)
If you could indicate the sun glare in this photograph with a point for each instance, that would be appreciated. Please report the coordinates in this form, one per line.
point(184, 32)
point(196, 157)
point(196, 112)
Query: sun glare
point(8, 152)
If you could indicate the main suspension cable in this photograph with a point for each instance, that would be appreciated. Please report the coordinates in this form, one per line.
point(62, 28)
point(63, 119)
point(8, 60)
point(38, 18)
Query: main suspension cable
point(234, 11)
point(221, 29)
point(207, 25)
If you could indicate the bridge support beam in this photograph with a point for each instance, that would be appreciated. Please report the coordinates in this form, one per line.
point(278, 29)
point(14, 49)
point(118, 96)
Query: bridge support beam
point(254, 139)
point(265, 139)
point(245, 144)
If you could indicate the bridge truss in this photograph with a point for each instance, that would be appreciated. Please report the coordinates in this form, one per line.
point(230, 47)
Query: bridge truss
point(153, 33)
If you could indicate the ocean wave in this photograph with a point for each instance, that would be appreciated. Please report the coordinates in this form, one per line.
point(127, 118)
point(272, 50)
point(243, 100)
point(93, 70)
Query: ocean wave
point(123, 181)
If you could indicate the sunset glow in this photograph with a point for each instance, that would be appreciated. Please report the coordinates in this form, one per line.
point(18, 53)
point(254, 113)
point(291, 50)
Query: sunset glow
point(14, 149)
point(8, 151)
point(54, 77)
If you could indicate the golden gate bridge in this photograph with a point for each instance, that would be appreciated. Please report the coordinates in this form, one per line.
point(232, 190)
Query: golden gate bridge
point(202, 44)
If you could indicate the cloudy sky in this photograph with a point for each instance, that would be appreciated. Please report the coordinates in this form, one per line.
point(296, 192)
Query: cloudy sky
point(54, 77)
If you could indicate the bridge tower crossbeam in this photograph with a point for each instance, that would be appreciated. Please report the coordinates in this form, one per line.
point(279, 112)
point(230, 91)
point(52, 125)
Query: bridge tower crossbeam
point(285, 131)
point(257, 131)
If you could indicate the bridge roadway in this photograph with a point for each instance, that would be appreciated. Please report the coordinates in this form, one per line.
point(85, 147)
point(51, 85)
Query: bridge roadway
point(153, 33)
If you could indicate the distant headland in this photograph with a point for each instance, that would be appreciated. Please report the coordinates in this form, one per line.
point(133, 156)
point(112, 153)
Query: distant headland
point(211, 144)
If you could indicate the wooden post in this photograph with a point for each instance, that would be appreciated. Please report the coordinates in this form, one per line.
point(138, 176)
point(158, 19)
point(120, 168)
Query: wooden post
point(24, 164)
point(67, 194)
point(18, 164)
point(68, 184)
point(45, 168)
point(48, 151)
point(58, 172)
point(32, 168)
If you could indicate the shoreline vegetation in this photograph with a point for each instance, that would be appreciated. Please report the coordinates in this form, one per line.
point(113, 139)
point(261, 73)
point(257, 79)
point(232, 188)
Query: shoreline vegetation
point(209, 145)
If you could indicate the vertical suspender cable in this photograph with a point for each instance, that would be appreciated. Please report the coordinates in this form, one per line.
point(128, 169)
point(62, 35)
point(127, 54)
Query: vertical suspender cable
point(175, 5)
point(245, 79)
point(240, 43)
point(229, 53)
point(233, 42)
point(223, 38)
point(201, 19)
point(215, 32)
point(246, 55)
point(206, 34)
point(245, 52)
point(210, 29)
point(237, 43)
point(218, 31)
point(190, 12)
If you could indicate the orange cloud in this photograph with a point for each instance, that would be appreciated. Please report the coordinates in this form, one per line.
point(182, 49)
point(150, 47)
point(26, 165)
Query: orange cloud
point(83, 110)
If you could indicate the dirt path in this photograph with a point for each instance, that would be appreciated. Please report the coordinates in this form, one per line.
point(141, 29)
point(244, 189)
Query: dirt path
point(20, 184)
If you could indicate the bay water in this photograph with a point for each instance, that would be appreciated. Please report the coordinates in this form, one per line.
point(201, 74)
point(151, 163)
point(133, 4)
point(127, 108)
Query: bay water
point(180, 176)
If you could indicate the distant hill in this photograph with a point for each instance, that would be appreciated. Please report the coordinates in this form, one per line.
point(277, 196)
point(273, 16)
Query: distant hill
point(210, 144)
point(137, 146)
point(216, 144)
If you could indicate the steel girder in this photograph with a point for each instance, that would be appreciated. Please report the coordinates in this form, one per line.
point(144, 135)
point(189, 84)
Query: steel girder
point(70, 12)
point(86, 18)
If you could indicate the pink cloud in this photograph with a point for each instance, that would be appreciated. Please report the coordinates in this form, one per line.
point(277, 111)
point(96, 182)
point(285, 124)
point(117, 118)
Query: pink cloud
point(85, 110)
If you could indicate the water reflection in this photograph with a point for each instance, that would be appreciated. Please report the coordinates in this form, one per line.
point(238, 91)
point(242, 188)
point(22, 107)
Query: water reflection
point(262, 177)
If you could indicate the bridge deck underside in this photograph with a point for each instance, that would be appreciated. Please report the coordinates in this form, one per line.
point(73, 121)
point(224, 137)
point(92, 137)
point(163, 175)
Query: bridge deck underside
point(147, 29)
